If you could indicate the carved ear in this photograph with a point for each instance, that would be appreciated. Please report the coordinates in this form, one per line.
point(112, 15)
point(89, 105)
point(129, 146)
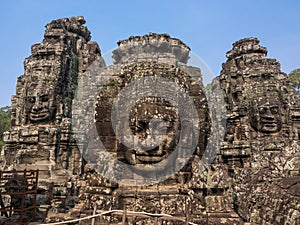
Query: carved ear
point(254, 122)
point(53, 110)
point(130, 157)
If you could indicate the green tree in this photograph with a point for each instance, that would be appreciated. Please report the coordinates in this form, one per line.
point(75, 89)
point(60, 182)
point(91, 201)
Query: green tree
point(4, 122)
point(207, 90)
point(294, 77)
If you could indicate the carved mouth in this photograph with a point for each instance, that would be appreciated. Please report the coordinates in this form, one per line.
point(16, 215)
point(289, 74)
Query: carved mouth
point(150, 159)
point(151, 156)
point(39, 116)
point(270, 126)
point(269, 123)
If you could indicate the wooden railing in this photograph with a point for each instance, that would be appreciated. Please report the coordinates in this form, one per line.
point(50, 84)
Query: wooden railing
point(18, 193)
point(125, 214)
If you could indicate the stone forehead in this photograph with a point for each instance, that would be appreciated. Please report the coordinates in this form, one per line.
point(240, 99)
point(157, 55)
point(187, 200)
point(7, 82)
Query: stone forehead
point(265, 95)
point(153, 101)
point(265, 89)
point(40, 86)
point(154, 107)
point(133, 72)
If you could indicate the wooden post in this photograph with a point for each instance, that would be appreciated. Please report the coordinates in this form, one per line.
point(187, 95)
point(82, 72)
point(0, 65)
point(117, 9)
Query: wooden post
point(124, 217)
point(1, 201)
point(23, 191)
point(187, 215)
point(156, 218)
point(35, 192)
point(94, 213)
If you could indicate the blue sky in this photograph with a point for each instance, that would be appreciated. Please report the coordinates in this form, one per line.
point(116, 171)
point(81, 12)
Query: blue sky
point(208, 27)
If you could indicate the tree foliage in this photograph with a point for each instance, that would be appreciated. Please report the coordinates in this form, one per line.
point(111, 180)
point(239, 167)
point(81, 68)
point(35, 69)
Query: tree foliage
point(207, 90)
point(294, 77)
point(4, 122)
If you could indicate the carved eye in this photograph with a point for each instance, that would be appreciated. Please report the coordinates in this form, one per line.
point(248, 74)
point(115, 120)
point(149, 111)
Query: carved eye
point(162, 128)
point(274, 110)
point(142, 125)
point(44, 98)
point(262, 110)
point(31, 99)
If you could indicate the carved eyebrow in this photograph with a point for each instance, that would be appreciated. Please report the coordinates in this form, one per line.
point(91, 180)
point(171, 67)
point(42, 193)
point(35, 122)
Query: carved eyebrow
point(29, 98)
point(159, 123)
point(45, 96)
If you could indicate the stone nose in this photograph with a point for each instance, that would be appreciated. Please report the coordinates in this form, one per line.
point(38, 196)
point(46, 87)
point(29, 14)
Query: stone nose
point(37, 106)
point(268, 117)
point(150, 142)
point(148, 150)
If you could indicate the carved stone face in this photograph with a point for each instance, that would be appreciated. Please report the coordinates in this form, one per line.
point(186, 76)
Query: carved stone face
point(40, 107)
point(156, 126)
point(266, 116)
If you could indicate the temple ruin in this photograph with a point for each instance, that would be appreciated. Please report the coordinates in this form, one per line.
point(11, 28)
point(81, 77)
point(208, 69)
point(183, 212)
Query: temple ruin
point(65, 105)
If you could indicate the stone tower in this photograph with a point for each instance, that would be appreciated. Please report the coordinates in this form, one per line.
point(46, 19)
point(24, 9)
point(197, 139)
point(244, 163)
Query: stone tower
point(41, 136)
point(261, 144)
point(138, 57)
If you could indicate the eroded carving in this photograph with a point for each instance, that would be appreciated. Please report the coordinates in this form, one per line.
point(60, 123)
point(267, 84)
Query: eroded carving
point(41, 107)
point(152, 123)
point(265, 114)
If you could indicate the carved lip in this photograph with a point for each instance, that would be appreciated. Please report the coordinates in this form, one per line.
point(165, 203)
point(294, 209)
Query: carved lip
point(268, 120)
point(39, 116)
point(270, 127)
point(150, 159)
point(269, 123)
point(151, 156)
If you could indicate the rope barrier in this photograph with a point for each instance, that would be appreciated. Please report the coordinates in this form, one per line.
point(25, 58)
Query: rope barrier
point(109, 212)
